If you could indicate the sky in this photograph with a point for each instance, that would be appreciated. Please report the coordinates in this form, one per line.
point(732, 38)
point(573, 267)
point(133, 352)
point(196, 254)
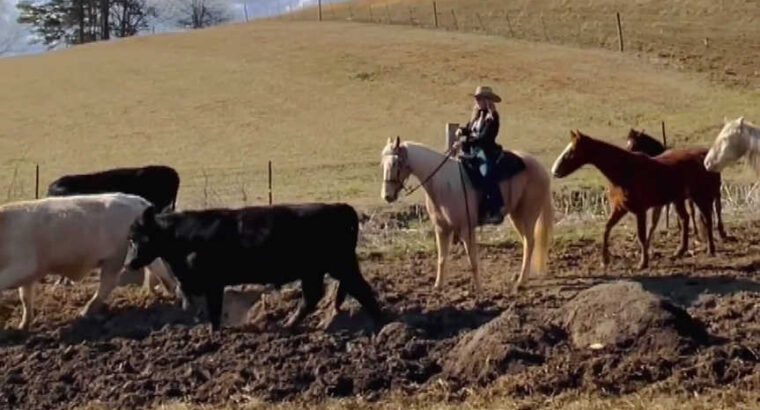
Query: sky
point(22, 39)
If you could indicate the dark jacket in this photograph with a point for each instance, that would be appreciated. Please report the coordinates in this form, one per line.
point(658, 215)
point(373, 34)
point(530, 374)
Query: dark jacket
point(484, 138)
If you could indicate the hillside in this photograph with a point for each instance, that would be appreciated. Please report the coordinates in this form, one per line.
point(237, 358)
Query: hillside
point(320, 100)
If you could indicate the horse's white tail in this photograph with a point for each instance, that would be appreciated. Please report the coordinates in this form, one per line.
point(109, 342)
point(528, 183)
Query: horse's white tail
point(543, 235)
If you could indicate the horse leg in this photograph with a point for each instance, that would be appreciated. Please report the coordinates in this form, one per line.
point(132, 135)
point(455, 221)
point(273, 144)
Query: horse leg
point(26, 294)
point(471, 247)
point(683, 216)
point(719, 217)
point(697, 234)
point(656, 212)
point(617, 214)
point(641, 230)
point(705, 210)
point(443, 242)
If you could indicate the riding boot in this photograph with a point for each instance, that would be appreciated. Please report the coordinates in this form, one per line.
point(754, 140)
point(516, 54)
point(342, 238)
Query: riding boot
point(493, 202)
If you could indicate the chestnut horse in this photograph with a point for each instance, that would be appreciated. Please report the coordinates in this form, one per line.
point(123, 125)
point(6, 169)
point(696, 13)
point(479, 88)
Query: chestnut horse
point(639, 183)
point(638, 141)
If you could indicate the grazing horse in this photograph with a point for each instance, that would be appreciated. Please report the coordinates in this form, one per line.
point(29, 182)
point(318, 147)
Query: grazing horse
point(737, 138)
point(638, 141)
point(639, 183)
point(452, 204)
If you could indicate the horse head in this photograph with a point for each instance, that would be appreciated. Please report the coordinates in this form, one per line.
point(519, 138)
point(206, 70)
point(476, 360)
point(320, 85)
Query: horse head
point(395, 169)
point(729, 146)
point(573, 157)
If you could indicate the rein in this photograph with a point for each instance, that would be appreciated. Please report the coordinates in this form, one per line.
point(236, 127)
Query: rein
point(409, 191)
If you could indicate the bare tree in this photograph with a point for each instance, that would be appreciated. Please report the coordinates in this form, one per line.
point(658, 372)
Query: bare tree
point(195, 13)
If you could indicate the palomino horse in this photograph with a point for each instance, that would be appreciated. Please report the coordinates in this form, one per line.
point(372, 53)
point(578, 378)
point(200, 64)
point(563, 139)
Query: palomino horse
point(640, 183)
point(638, 141)
point(452, 204)
point(736, 139)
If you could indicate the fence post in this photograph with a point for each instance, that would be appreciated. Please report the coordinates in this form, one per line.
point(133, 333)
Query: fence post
point(388, 13)
point(411, 16)
point(620, 32)
point(350, 11)
point(543, 27)
point(665, 144)
point(480, 21)
point(319, 8)
point(370, 14)
point(454, 16)
point(270, 182)
point(509, 24)
point(451, 129)
point(37, 182)
point(435, 15)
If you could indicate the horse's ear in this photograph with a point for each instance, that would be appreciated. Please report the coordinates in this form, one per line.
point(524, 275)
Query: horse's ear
point(398, 141)
point(741, 122)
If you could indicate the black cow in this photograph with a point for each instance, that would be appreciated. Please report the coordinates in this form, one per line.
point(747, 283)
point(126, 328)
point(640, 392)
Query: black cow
point(210, 249)
point(156, 183)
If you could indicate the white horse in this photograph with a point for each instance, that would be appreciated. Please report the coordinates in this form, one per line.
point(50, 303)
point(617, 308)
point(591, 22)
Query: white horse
point(736, 139)
point(527, 201)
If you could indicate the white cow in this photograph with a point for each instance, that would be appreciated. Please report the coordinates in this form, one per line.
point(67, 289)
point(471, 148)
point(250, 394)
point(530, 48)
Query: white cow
point(70, 236)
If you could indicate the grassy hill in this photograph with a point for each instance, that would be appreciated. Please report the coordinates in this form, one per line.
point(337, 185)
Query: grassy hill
point(320, 100)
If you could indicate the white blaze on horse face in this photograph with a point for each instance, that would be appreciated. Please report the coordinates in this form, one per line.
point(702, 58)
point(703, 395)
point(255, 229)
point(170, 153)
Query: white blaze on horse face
point(556, 168)
point(388, 191)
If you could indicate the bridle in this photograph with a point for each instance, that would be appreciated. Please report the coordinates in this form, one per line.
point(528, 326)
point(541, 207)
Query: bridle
point(401, 157)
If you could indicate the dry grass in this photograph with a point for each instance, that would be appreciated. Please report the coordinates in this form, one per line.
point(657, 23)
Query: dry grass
point(320, 100)
point(732, 399)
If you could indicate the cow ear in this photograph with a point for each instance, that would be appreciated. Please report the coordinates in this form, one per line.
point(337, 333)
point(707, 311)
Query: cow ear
point(398, 141)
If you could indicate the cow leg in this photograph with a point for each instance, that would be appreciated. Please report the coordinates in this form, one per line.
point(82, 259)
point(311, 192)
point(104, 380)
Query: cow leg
point(312, 289)
point(351, 279)
point(340, 296)
point(109, 278)
point(214, 301)
point(26, 294)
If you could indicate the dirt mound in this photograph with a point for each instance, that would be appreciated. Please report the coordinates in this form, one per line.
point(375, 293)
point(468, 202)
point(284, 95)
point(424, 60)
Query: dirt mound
point(507, 344)
point(623, 314)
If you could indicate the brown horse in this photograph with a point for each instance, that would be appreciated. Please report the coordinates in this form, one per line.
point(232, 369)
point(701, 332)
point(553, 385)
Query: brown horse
point(638, 141)
point(640, 183)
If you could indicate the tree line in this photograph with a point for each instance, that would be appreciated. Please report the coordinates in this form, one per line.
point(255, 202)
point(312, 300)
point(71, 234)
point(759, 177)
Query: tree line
point(56, 22)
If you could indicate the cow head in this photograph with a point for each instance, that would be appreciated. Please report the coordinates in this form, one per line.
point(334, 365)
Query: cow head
point(145, 241)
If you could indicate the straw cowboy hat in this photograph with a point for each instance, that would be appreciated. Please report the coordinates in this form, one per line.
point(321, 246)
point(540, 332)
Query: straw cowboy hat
point(487, 93)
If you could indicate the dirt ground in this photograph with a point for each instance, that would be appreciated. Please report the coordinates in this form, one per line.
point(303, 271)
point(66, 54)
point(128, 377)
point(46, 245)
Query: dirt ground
point(144, 352)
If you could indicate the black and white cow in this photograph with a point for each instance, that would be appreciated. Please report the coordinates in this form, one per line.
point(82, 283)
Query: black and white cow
point(210, 249)
point(156, 183)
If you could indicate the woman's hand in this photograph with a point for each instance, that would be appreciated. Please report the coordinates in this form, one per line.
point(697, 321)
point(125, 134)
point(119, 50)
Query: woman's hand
point(458, 133)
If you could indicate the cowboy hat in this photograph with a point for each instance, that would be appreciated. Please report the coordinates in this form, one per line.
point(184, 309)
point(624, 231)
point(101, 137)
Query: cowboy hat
point(487, 93)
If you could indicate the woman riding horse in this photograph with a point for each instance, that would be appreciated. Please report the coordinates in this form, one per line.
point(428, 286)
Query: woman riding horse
point(480, 152)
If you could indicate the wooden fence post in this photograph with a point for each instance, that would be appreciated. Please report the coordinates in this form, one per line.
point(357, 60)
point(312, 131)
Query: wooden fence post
point(665, 144)
point(620, 32)
point(435, 15)
point(509, 24)
point(270, 182)
point(451, 129)
point(454, 16)
point(370, 14)
point(37, 182)
point(411, 17)
point(388, 13)
point(350, 11)
point(319, 9)
point(543, 27)
point(480, 21)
